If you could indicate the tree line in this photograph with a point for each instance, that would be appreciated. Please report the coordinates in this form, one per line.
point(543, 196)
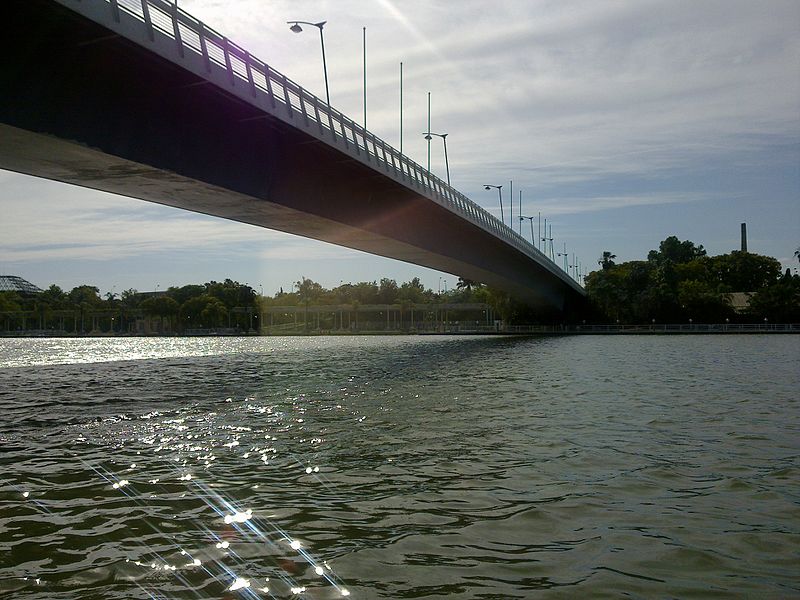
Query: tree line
point(206, 305)
point(210, 305)
point(679, 282)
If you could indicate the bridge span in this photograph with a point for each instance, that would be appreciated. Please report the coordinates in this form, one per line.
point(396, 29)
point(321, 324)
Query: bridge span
point(138, 98)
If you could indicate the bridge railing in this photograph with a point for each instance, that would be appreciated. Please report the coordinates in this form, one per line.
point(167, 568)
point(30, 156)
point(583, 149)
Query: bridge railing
point(304, 108)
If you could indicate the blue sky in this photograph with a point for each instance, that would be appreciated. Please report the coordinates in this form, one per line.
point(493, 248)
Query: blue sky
point(623, 122)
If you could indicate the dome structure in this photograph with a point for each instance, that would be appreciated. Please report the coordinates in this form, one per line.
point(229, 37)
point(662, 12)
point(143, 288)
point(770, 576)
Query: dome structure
point(12, 283)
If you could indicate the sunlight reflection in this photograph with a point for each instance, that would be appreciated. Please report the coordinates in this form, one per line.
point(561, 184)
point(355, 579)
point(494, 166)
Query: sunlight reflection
point(239, 584)
point(239, 517)
point(165, 445)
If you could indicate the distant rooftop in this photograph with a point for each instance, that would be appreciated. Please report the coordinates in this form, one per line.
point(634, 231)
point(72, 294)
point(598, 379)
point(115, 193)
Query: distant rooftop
point(12, 283)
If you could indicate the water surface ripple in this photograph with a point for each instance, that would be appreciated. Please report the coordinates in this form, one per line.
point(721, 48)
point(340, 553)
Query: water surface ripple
point(401, 467)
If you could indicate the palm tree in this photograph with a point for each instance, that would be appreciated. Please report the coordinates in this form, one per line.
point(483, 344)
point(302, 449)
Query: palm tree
point(607, 260)
point(465, 284)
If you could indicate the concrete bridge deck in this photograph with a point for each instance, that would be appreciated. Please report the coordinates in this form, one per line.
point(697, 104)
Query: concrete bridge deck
point(138, 98)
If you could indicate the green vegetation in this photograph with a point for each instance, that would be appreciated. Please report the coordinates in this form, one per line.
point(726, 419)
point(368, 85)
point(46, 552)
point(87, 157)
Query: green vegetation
point(228, 304)
point(387, 291)
point(679, 281)
point(213, 305)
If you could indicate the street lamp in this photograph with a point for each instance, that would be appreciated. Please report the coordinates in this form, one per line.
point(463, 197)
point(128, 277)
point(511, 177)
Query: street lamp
point(521, 219)
point(500, 194)
point(444, 139)
point(297, 29)
point(429, 128)
point(566, 258)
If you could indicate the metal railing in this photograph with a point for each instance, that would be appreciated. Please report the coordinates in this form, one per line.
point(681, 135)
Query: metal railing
point(294, 104)
point(648, 328)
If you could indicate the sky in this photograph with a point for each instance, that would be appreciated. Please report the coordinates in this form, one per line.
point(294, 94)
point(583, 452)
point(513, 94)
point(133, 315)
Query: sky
point(622, 122)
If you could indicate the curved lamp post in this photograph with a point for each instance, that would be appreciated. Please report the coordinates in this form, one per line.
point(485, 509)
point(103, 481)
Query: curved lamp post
point(295, 27)
point(500, 195)
point(444, 139)
point(566, 258)
point(521, 219)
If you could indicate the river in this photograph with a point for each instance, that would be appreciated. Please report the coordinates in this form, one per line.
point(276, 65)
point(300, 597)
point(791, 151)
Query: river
point(400, 467)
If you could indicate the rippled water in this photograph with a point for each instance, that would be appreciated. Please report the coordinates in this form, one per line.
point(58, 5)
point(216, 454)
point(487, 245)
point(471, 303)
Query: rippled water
point(418, 467)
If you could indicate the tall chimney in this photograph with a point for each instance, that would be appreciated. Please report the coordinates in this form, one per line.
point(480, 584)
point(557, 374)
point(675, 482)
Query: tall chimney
point(744, 237)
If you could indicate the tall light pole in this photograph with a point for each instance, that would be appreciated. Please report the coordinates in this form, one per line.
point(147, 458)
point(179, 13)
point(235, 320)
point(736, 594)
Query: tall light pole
point(444, 139)
point(429, 130)
point(499, 189)
point(297, 29)
point(520, 212)
point(521, 219)
point(365, 78)
point(543, 239)
point(566, 258)
point(548, 248)
point(401, 107)
point(539, 223)
point(511, 205)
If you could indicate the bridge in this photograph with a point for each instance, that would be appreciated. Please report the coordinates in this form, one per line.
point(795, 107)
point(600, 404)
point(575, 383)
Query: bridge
point(139, 98)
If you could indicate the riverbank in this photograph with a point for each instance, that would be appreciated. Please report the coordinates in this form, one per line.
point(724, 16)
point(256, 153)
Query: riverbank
point(651, 329)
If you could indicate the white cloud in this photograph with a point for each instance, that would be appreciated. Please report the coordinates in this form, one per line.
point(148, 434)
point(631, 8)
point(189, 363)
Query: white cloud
point(574, 205)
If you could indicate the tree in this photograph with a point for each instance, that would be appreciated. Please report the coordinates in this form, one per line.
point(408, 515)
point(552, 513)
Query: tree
point(10, 302)
point(607, 260)
point(232, 293)
point(308, 291)
point(54, 297)
point(510, 310)
point(412, 292)
point(161, 307)
point(365, 292)
point(606, 290)
point(675, 251)
point(85, 294)
point(387, 292)
point(744, 271)
point(780, 302)
point(701, 302)
point(130, 298)
point(85, 298)
point(214, 312)
point(182, 294)
point(465, 284)
point(680, 281)
point(190, 311)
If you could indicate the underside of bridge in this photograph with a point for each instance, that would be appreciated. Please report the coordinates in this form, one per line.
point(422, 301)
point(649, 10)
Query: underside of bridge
point(83, 105)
